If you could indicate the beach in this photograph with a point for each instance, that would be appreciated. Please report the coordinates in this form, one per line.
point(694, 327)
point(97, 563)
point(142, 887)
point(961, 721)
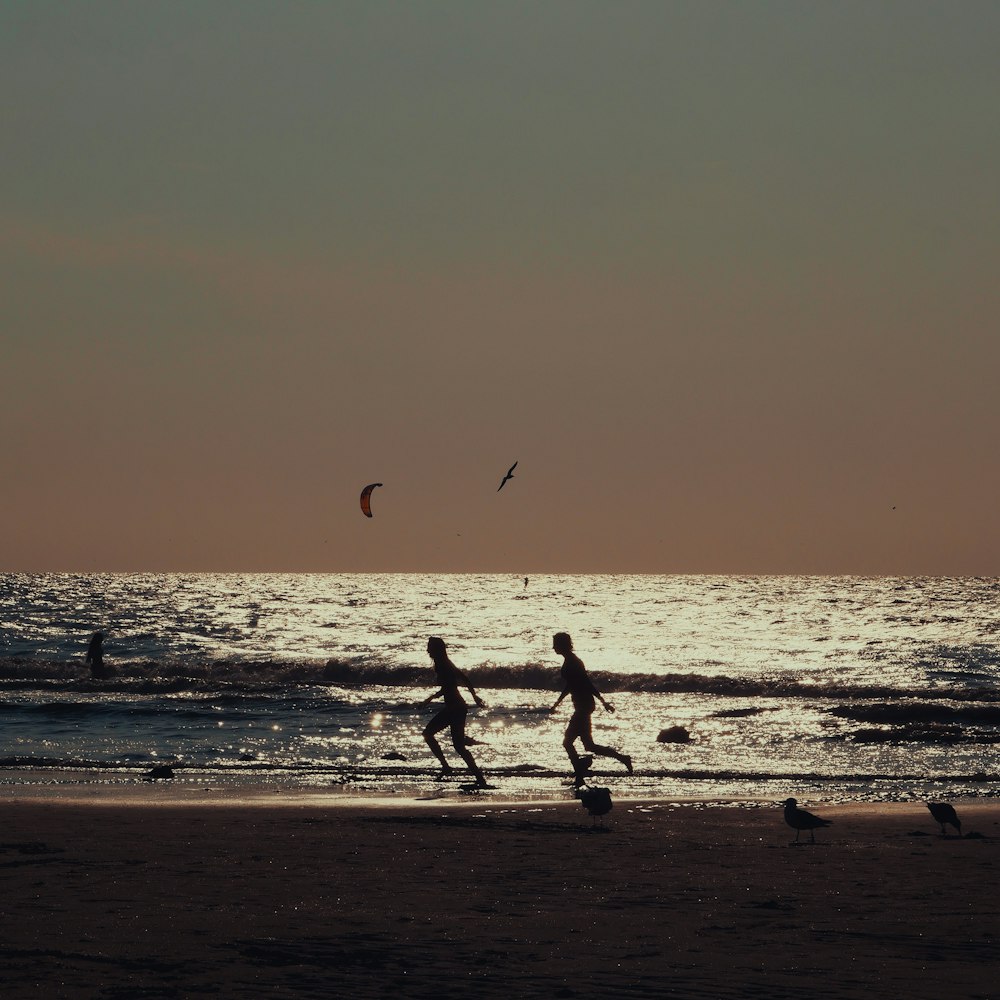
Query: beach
point(154, 892)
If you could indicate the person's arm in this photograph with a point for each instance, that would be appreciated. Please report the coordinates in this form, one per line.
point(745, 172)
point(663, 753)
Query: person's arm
point(608, 707)
point(437, 694)
point(559, 700)
point(475, 697)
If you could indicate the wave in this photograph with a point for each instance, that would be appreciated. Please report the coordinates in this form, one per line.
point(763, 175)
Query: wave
point(183, 675)
point(166, 714)
point(284, 677)
point(926, 713)
point(922, 722)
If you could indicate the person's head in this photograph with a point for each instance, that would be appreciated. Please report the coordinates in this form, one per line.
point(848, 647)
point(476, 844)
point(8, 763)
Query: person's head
point(562, 643)
point(436, 649)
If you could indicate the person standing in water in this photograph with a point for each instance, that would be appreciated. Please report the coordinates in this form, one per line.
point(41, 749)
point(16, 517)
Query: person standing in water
point(95, 657)
point(578, 685)
point(454, 712)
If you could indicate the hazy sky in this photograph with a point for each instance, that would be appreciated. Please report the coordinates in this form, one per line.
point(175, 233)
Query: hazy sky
point(722, 277)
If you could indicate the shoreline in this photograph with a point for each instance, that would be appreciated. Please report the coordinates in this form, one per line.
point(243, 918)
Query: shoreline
point(193, 795)
point(188, 793)
point(110, 788)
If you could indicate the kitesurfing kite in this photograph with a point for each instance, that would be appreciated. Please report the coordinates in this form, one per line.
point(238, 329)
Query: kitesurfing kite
point(366, 499)
point(510, 475)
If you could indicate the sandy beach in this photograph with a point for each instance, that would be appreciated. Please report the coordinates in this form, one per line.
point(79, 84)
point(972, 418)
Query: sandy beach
point(154, 895)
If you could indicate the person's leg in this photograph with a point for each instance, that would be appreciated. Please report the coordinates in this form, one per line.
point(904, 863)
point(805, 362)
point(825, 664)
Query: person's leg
point(440, 721)
point(578, 728)
point(587, 739)
point(459, 742)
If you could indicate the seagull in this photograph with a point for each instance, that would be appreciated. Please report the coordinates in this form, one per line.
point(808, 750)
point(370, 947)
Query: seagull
point(944, 812)
point(597, 801)
point(510, 475)
point(799, 820)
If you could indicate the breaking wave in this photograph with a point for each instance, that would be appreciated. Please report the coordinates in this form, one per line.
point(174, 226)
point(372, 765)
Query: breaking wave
point(284, 677)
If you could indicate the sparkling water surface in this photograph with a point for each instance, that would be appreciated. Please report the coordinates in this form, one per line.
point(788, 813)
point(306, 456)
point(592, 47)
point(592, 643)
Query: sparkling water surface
point(821, 687)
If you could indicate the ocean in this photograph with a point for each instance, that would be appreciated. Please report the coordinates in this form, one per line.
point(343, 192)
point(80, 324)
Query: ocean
point(825, 688)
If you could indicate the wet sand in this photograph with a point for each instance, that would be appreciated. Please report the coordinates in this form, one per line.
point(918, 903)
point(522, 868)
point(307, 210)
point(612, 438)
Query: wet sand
point(149, 895)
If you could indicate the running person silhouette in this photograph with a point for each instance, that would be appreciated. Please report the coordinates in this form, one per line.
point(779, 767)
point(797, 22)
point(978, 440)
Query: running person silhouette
point(578, 685)
point(454, 712)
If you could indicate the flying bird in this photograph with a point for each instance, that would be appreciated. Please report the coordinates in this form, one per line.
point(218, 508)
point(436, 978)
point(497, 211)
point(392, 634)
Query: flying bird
point(366, 499)
point(944, 812)
point(799, 820)
point(510, 475)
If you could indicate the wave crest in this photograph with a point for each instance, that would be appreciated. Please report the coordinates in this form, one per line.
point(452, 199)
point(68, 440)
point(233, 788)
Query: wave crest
point(283, 676)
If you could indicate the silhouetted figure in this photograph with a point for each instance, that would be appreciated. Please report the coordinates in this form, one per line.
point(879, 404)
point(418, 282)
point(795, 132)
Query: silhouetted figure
point(525, 583)
point(455, 710)
point(95, 657)
point(944, 813)
point(580, 688)
point(799, 820)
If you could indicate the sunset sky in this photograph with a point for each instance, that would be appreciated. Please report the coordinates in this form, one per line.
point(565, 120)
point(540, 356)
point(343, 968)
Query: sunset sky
point(721, 277)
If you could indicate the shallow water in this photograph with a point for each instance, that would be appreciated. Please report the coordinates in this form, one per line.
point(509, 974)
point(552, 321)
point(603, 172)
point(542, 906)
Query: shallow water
point(838, 687)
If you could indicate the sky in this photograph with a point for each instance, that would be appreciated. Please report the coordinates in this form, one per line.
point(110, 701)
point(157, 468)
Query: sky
point(720, 276)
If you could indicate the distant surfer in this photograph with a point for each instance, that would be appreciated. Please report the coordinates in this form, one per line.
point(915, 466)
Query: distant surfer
point(95, 657)
point(525, 583)
point(578, 685)
point(455, 710)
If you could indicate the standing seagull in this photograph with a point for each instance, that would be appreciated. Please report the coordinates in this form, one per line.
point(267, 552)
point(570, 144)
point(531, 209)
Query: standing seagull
point(597, 801)
point(510, 475)
point(944, 812)
point(799, 819)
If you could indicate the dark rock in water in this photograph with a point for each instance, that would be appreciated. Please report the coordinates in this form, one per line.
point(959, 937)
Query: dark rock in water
point(736, 713)
point(674, 734)
point(158, 772)
point(393, 755)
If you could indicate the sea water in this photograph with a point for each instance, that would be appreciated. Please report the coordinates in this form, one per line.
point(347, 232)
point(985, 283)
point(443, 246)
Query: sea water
point(820, 687)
